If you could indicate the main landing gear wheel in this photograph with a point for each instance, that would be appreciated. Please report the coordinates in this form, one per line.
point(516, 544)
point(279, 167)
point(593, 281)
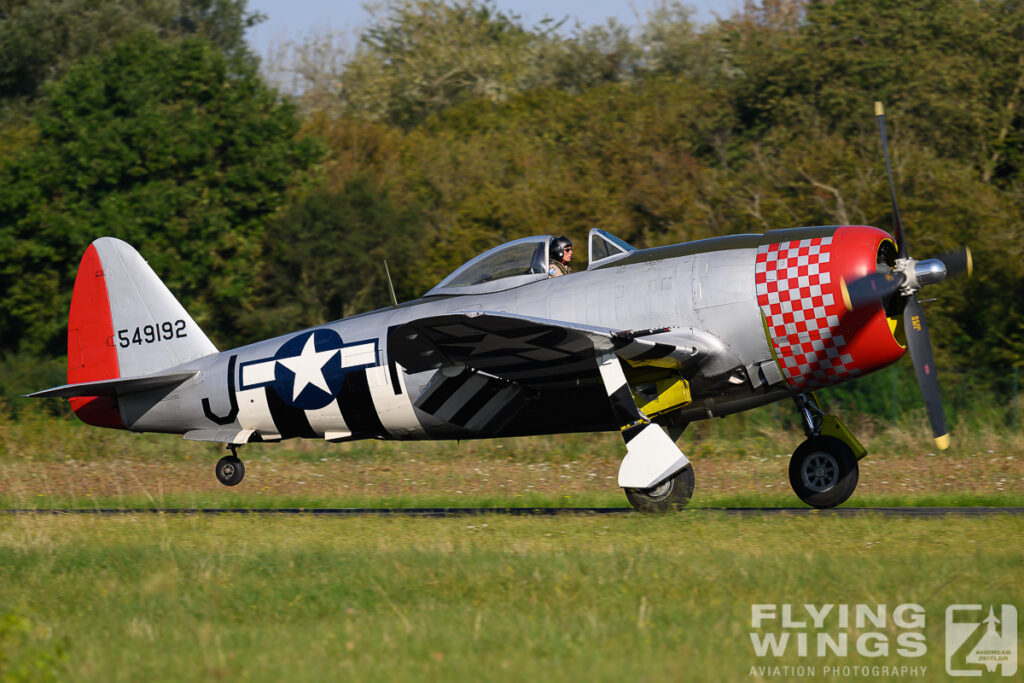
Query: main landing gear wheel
point(672, 494)
point(823, 472)
point(230, 470)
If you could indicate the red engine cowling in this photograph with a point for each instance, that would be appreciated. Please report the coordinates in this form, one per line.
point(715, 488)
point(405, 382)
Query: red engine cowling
point(816, 341)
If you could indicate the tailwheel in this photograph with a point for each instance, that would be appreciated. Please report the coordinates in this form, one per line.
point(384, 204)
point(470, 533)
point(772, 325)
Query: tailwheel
point(230, 469)
point(672, 494)
point(823, 472)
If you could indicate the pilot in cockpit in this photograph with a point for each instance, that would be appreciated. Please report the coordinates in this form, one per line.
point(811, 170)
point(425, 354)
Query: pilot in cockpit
point(560, 253)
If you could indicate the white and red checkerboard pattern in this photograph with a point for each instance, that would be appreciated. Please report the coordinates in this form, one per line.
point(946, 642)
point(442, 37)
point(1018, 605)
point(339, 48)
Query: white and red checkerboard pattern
point(803, 320)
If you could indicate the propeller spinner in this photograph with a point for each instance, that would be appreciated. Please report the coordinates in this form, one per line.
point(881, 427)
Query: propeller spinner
point(905, 278)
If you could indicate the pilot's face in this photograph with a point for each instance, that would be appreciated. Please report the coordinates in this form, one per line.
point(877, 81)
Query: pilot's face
point(567, 254)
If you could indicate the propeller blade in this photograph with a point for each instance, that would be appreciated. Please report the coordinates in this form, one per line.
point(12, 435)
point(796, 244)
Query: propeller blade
point(901, 242)
point(920, 346)
point(872, 288)
point(958, 261)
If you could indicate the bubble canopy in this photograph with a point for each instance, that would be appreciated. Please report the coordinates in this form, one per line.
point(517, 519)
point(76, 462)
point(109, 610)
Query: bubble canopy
point(521, 262)
point(512, 264)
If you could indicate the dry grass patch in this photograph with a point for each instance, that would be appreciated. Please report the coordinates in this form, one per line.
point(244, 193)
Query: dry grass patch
point(60, 463)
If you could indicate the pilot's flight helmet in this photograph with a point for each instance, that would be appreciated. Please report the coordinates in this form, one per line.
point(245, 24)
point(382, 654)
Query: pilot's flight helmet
point(558, 246)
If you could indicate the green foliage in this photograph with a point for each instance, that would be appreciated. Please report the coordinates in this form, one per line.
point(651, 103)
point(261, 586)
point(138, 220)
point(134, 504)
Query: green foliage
point(760, 121)
point(426, 55)
point(172, 146)
point(454, 126)
point(21, 373)
point(40, 39)
point(510, 598)
point(420, 57)
point(950, 72)
point(27, 652)
point(328, 259)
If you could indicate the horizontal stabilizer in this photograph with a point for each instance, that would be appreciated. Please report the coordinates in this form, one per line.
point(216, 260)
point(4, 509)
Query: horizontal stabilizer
point(117, 386)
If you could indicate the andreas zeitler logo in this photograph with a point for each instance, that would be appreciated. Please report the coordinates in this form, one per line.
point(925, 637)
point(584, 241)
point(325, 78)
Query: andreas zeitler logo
point(978, 639)
point(981, 640)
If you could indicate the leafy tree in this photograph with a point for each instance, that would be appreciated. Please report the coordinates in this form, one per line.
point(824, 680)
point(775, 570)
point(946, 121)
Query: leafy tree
point(421, 57)
point(589, 57)
point(951, 71)
point(173, 146)
point(454, 126)
point(425, 55)
point(328, 254)
point(40, 39)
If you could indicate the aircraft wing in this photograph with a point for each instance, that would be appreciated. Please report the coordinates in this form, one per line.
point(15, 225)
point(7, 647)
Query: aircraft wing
point(529, 350)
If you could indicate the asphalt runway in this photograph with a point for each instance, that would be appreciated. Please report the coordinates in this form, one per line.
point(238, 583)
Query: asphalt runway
point(531, 512)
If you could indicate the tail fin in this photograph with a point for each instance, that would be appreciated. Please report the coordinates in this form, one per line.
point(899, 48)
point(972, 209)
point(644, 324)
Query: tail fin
point(124, 322)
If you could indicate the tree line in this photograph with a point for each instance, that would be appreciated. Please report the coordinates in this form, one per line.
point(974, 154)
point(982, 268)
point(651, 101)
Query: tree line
point(452, 126)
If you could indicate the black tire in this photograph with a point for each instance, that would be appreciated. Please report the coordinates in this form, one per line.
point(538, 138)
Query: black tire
point(672, 494)
point(823, 472)
point(230, 470)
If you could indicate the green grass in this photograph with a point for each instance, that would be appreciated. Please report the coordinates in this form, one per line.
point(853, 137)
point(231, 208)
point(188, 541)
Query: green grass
point(613, 498)
point(488, 598)
point(623, 597)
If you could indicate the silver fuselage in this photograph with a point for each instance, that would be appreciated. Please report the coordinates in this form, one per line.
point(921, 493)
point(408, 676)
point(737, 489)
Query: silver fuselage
point(706, 295)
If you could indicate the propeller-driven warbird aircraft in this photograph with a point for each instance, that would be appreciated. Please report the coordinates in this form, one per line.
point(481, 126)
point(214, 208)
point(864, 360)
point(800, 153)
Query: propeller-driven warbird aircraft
point(644, 341)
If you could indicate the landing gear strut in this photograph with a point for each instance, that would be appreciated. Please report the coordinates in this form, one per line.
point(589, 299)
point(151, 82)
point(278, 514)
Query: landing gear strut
point(230, 469)
point(823, 470)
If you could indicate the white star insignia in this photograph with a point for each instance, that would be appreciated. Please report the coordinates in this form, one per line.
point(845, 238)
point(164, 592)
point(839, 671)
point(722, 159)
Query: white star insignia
point(308, 368)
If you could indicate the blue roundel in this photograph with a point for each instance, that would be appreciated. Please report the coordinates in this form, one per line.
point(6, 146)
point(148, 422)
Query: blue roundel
point(308, 373)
